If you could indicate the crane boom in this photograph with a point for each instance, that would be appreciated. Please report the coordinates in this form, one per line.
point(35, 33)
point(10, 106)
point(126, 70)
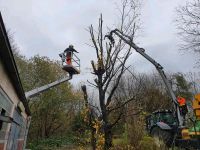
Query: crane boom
point(41, 89)
point(128, 40)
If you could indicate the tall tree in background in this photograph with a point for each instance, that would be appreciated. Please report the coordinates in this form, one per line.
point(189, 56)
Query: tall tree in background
point(188, 22)
point(194, 79)
point(50, 109)
point(110, 66)
point(53, 109)
point(182, 86)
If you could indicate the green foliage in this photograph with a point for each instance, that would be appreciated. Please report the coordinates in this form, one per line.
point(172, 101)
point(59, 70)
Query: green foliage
point(52, 143)
point(182, 86)
point(53, 110)
point(119, 128)
point(148, 143)
point(120, 141)
point(25, 70)
point(78, 124)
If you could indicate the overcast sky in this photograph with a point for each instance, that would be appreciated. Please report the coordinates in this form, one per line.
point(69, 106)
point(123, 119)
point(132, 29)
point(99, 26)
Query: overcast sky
point(47, 27)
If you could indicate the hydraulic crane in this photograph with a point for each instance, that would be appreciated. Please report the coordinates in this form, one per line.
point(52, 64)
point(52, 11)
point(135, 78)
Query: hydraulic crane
point(171, 130)
point(159, 68)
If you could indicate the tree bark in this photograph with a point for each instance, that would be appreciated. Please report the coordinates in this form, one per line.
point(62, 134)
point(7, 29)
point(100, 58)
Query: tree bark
point(93, 139)
point(108, 137)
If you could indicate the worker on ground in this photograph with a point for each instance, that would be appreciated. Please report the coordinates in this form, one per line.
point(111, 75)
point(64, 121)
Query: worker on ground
point(68, 53)
point(182, 106)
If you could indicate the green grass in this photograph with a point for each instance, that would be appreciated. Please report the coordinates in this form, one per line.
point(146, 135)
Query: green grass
point(120, 141)
point(51, 143)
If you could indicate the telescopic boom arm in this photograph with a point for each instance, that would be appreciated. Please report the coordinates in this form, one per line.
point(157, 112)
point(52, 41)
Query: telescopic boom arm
point(128, 40)
point(44, 88)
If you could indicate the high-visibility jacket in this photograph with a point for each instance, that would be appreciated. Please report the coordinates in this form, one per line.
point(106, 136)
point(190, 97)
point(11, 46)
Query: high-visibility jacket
point(181, 101)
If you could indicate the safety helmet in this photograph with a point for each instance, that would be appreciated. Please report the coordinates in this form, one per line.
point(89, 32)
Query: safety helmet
point(71, 46)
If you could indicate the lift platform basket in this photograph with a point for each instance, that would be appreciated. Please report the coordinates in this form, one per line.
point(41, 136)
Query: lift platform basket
point(73, 67)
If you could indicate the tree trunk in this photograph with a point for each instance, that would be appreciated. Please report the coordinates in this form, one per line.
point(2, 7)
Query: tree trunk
point(93, 139)
point(108, 137)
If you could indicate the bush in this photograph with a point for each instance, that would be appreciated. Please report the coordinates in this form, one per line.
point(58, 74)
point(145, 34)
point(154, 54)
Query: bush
point(51, 143)
point(147, 143)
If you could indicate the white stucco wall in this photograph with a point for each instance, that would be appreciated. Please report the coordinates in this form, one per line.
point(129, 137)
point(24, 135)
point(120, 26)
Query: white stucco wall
point(7, 87)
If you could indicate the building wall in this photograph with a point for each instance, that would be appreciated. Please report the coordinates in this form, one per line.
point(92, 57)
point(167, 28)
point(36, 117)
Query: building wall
point(9, 94)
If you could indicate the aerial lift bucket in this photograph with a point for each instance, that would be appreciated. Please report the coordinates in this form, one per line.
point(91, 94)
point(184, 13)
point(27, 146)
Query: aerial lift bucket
point(70, 63)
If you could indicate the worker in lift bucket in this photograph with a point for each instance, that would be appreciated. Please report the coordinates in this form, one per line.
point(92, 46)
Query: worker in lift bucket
point(69, 53)
point(183, 106)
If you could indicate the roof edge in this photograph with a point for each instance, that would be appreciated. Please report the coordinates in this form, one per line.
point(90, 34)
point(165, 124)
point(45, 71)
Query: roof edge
point(12, 71)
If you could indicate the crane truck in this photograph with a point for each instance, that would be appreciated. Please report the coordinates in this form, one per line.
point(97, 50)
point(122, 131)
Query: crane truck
point(167, 125)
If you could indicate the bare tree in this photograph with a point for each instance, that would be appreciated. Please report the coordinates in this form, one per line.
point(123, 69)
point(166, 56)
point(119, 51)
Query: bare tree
point(148, 90)
point(193, 78)
point(91, 117)
point(188, 23)
point(110, 64)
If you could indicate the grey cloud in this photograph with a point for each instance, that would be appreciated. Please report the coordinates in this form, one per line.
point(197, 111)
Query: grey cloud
point(168, 56)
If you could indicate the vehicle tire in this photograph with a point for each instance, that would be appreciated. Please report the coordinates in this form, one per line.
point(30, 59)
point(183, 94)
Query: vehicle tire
point(163, 136)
